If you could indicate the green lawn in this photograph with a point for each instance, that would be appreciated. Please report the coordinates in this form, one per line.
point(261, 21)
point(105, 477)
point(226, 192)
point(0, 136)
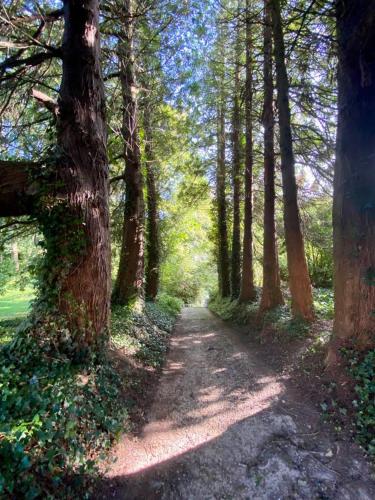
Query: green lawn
point(14, 303)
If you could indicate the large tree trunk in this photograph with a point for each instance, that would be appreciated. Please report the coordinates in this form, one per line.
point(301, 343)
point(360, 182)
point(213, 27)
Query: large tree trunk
point(236, 178)
point(153, 243)
point(223, 254)
point(248, 292)
point(129, 282)
point(299, 280)
point(271, 293)
point(354, 184)
point(76, 224)
point(68, 194)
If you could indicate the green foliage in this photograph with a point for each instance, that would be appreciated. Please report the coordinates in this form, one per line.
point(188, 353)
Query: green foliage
point(363, 370)
point(323, 302)
point(169, 304)
point(56, 417)
point(317, 221)
point(286, 327)
point(231, 310)
point(8, 328)
point(6, 271)
point(145, 335)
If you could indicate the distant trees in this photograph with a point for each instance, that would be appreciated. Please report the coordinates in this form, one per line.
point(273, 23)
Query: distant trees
point(222, 231)
point(152, 273)
point(354, 184)
point(236, 172)
point(129, 281)
point(299, 280)
point(247, 292)
point(271, 292)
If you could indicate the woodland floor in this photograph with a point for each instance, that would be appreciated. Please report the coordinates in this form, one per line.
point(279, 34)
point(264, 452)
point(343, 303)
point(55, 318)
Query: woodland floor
point(225, 424)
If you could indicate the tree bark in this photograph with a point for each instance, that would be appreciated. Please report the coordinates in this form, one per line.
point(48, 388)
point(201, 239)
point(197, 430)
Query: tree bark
point(354, 182)
point(68, 193)
point(223, 254)
point(153, 243)
point(15, 256)
point(236, 178)
point(248, 293)
point(129, 282)
point(271, 293)
point(83, 282)
point(299, 280)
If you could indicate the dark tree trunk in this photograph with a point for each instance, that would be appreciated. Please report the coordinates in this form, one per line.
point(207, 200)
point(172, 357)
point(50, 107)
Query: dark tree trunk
point(271, 293)
point(153, 244)
point(248, 292)
point(79, 246)
point(354, 184)
point(223, 254)
point(299, 280)
point(129, 282)
point(236, 179)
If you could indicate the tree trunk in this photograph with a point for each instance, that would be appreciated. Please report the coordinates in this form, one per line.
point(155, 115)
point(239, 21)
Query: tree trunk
point(271, 293)
point(129, 282)
point(223, 254)
point(236, 178)
point(76, 224)
point(68, 194)
point(299, 280)
point(153, 244)
point(15, 256)
point(248, 292)
point(354, 184)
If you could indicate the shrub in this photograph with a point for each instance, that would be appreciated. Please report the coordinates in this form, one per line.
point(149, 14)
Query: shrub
point(363, 371)
point(56, 418)
point(170, 305)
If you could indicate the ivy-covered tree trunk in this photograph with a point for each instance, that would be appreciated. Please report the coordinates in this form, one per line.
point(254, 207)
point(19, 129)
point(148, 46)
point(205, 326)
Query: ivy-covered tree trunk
point(248, 292)
point(153, 243)
point(299, 280)
point(221, 202)
point(76, 221)
point(271, 292)
point(129, 281)
point(354, 183)
point(68, 193)
point(236, 178)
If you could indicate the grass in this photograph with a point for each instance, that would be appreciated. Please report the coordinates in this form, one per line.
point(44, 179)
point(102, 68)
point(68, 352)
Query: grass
point(14, 307)
point(15, 303)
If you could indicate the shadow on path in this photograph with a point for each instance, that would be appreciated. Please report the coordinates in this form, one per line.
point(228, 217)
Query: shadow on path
point(224, 425)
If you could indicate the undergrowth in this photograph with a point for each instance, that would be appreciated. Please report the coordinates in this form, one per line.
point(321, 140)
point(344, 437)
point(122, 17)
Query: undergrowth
point(280, 319)
point(58, 418)
point(363, 371)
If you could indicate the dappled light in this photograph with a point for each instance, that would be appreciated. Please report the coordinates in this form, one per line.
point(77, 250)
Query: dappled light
point(187, 249)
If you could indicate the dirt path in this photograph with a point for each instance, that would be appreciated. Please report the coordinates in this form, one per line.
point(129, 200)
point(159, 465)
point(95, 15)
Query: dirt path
point(224, 426)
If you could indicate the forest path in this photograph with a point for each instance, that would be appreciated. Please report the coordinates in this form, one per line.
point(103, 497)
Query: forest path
point(223, 425)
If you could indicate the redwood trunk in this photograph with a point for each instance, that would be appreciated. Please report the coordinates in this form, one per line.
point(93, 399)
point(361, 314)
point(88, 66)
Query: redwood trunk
point(236, 181)
point(223, 254)
point(299, 280)
point(153, 244)
point(248, 292)
point(129, 282)
point(354, 184)
point(83, 284)
point(271, 293)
